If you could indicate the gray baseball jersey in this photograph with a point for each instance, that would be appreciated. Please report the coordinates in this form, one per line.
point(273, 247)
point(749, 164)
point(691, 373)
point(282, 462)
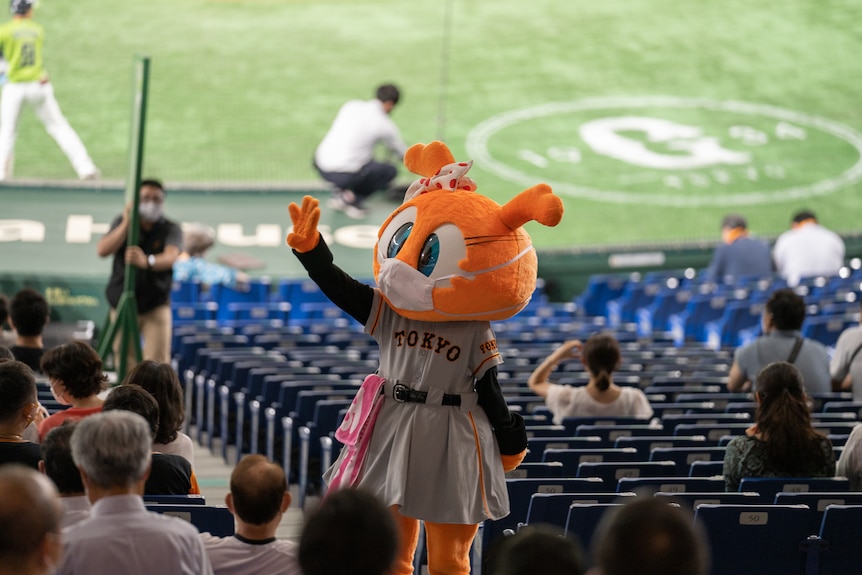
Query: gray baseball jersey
point(439, 463)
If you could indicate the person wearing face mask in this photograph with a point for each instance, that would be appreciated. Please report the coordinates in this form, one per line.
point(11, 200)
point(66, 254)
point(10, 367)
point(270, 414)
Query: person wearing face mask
point(75, 375)
point(160, 242)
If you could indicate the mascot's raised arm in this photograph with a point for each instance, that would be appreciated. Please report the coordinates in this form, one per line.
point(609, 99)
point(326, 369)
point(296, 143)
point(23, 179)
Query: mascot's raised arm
point(430, 433)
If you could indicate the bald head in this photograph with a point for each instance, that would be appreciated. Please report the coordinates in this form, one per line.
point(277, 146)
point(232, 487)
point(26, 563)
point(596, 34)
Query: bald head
point(30, 513)
point(257, 487)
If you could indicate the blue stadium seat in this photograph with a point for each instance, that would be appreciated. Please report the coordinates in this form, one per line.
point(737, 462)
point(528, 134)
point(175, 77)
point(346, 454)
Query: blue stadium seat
point(218, 521)
point(818, 501)
point(706, 468)
point(651, 485)
point(645, 445)
point(655, 317)
point(839, 534)
point(600, 289)
point(520, 492)
point(827, 328)
point(685, 456)
point(582, 522)
point(755, 538)
point(535, 470)
point(553, 508)
point(692, 499)
point(571, 458)
point(536, 446)
point(737, 316)
point(612, 471)
point(768, 487)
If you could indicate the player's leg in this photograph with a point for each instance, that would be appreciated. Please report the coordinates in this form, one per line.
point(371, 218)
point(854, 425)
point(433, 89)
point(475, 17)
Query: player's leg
point(449, 547)
point(48, 111)
point(10, 109)
point(374, 176)
point(156, 332)
point(409, 529)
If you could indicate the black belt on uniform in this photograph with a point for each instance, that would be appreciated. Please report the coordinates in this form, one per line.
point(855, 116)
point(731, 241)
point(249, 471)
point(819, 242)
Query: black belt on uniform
point(403, 394)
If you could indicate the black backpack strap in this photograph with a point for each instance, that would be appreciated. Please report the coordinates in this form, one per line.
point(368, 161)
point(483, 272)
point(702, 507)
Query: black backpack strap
point(853, 355)
point(794, 353)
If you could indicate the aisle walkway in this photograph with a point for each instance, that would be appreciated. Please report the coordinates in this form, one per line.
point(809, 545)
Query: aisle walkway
point(214, 479)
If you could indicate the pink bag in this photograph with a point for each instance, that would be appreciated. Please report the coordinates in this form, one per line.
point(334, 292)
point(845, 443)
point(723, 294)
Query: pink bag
point(355, 431)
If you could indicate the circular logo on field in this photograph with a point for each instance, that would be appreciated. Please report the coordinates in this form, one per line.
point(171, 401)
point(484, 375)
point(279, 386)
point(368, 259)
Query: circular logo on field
point(670, 151)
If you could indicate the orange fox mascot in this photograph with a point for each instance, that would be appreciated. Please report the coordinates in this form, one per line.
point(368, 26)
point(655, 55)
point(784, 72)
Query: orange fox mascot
point(440, 436)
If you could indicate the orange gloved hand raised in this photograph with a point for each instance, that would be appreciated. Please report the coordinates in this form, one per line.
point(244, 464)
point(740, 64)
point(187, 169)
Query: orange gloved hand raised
point(304, 236)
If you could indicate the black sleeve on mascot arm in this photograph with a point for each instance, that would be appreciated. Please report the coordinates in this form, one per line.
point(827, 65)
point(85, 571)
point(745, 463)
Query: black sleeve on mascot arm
point(508, 426)
point(352, 296)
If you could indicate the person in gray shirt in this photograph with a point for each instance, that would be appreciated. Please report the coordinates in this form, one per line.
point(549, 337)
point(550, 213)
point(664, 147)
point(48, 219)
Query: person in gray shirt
point(782, 341)
point(112, 452)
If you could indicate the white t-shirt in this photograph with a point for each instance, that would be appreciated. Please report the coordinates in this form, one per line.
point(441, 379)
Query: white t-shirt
point(356, 130)
point(568, 401)
point(850, 462)
point(181, 446)
point(809, 250)
point(230, 556)
point(840, 366)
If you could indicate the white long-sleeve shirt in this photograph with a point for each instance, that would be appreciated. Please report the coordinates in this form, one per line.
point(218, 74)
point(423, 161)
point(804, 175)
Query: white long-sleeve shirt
point(358, 127)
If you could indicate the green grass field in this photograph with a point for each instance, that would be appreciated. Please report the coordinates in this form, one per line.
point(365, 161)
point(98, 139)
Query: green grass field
point(622, 105)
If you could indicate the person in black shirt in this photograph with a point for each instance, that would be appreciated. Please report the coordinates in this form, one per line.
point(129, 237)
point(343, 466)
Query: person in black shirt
point(18, 408)
point(169, 474)
point(28, 314)
point(159, 244)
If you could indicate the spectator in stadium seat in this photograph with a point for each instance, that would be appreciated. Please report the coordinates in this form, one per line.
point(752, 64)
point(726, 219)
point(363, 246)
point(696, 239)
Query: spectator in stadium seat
point(782, 340)
point(28, 315)
point(58, 465)
point(845, 367)
point(170, 474)
point(649, 537)
point(781, 442)
point(112, 452)
point(159, 244)
point(258, 499)
point(351, 532)
point(601, 396)
point(18, 408)
point(738, 254)
point(345, 157)
point(161, 381)
point(850, 461)
point(807, 249)
point(7, 337)
point(192, 264)
point(537, 549)
point(74, 372)
point(30, 539)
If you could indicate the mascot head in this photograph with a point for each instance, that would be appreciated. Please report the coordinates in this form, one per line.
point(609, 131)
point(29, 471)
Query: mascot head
point(450, 254)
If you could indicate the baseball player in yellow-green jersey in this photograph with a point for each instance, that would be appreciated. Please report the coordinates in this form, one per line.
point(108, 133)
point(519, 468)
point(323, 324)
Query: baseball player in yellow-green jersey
point(21, 42)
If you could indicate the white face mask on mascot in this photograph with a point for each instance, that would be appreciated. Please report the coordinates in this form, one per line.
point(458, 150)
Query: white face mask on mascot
point(449, 254)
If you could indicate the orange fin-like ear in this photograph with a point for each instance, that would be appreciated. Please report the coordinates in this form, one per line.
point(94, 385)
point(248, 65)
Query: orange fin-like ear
point(537, 203)
point(427, 160)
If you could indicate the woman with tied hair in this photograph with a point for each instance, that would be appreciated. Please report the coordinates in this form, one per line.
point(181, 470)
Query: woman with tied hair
point(161, 381)
point(781, 443)
point(74, 372)
point(601, 396)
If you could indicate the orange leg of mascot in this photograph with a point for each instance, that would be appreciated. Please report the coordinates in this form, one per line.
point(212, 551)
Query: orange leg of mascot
point(448, 543)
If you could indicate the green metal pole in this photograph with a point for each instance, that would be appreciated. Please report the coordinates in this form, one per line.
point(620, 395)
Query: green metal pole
point(126, 319)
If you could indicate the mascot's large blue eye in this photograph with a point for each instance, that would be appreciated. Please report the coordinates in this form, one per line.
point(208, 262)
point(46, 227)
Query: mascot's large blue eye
point(398, 239)
point(429, 255)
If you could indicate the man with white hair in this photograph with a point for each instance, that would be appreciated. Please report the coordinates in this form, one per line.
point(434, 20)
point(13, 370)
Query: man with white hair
point(112, 452)
point(29, 522)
